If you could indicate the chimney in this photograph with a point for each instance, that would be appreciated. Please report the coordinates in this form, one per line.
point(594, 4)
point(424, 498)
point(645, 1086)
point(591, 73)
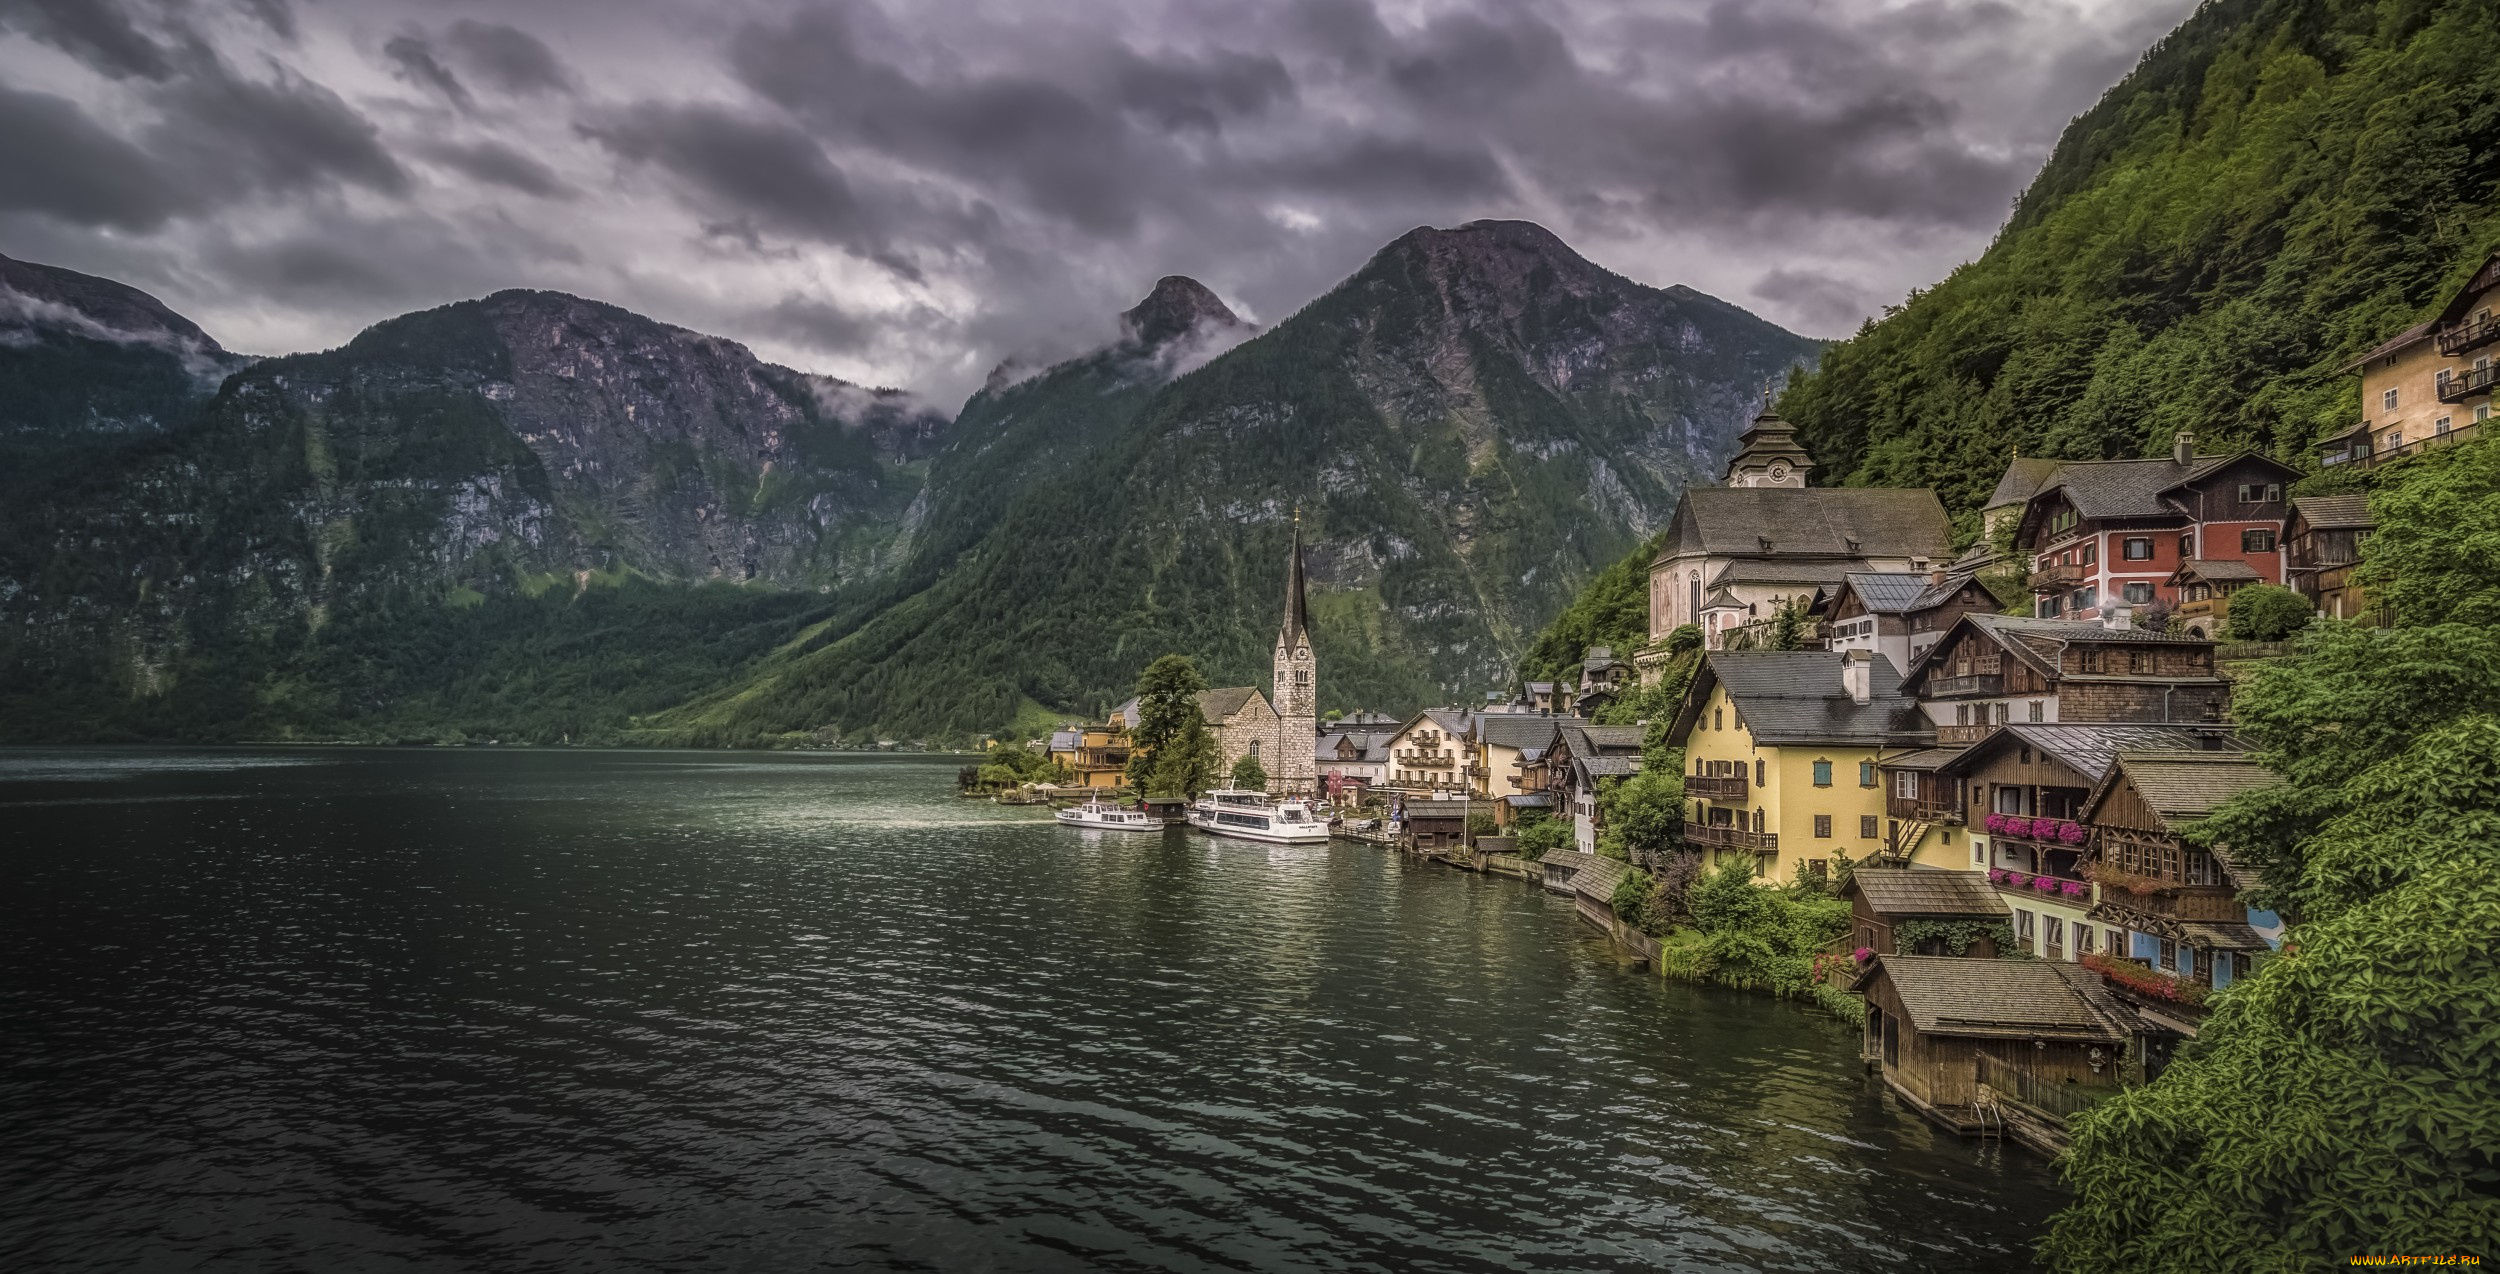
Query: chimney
point(1935, 578)
point(2183, 449)
point(2118, 618)
point(1857, 674)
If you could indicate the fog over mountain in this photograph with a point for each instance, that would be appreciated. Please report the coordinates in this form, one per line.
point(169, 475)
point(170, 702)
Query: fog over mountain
point(913, 194)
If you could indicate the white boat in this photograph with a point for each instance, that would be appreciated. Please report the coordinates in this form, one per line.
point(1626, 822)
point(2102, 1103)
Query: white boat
point(1094, 813)
point(1251, 815)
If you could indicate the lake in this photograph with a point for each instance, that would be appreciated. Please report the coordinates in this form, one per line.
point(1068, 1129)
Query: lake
point(543, 1010)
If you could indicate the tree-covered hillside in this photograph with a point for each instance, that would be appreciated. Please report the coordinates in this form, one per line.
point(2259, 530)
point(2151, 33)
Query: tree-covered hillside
point(2278, 186)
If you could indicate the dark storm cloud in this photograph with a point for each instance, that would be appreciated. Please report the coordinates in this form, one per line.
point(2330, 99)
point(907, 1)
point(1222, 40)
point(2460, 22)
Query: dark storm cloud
point(910, 191)
point(508, 58)
point(415, 62)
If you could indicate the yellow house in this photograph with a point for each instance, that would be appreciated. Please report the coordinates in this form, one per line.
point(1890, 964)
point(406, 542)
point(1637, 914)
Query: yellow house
point(1095, 756)
point(2430, 384)
point(1781, 750)
point(1507, 750)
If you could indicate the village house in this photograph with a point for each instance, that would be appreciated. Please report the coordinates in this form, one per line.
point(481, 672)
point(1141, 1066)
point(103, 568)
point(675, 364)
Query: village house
point(1577, 759)
point(2321, 546)
point(2026, 786)
point(1502, 747)
point(1925, 813)
point(1095, 756)
point(1735, 554)
point(2204, 591)
point(1352, 758)
point(1991, 670)
point(2164, 902)
point(1602, 676)
point(1901, 910)
point(2430, 384)
point(2014, 1046)
point(1426, 753)
point(1781, 749)
point(1899, 615)
point(2103, 534)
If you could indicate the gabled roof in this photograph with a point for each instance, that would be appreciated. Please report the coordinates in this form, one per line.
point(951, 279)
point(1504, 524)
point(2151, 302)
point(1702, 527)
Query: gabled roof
point(1369, 745)
point(2334, 512)
point(2181, 787)
point(1582, 739)
point(1587, 770)
point(2209, 570)
point(2396, 344)
point(1775, 571)
point(2089, 750)
point(1220, 705)
point(2035, 641)
point(1518, 729)
point(1591, 874)
point(2484, 278)
point(2022, 479)
point(1450, 721)
point(2002, 999)
point(1922, 759)
point(1066, 740)
point(2106, 489)
point(1885, 593)
point(1920, 891)
point(1796, 696)
point(1809, 522)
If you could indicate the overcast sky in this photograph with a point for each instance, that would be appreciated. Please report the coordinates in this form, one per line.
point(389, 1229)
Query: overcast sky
point(903, 194)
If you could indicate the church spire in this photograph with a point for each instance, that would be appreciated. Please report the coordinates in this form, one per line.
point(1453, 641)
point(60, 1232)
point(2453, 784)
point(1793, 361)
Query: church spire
point(1297, 609)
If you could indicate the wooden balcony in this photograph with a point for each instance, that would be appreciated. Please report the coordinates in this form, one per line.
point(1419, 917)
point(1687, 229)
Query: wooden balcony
point(1978, 683)
point(1729, 837)
point(1718, 787)
point(2473, 382)
point(2465, 336)
point(2466, 432)
point(1951, 736)
point(1921, 810)
point(2059, 577)
point(2186, 902)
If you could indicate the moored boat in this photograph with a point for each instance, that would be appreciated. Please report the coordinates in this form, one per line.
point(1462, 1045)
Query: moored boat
point(1250, 815)
point(1094, 813)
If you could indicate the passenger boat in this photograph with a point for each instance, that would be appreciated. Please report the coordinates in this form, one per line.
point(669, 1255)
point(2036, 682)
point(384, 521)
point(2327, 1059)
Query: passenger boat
point(1094, 813)
point(1251, 815)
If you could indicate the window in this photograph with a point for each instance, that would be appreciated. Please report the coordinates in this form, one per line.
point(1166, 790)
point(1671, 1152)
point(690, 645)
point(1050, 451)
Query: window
point(2083, 940)
point(1905, 784)
point(1822, 774)
point(1978, 854)
point(2091, 553)
point(2169, 949)
point(2139, 592)
point(1961, 714)
point(2256, 541)
point(2082, 598)
point(2002, 713)
point(1254, 747)
point(1718, 718)
point(2053, 930)
point(2241, 965)
point(2117, 942)
point(2025, 924)
point(2260, 492)
point(1301, 676)
point(2482, 412)
point(2039, 711)
point(2187, 546)
point(1761, 774)
point(1823, 827)
point(2387, 401)
point(1866, 827)
point(2051, 608)
point(1866, 774)
point(2139, 548)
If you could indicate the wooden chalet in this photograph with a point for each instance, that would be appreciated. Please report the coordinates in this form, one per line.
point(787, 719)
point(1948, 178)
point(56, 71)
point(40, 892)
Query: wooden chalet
point(1885, 899)
point(1900, 614)
point(2321, 546)
point(2103, 534)
point(1577, 759)
point(2178, 903)
point(2017, 1046)
point(1993, 670)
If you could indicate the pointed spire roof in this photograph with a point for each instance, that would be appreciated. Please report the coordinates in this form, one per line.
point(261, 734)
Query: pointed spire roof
point(1297, 608)
point(1768, 441)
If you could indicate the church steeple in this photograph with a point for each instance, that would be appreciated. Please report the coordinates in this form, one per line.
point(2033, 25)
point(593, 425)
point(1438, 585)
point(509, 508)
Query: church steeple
point(1297, 626)
point(1768, 454)
point(1295, 771)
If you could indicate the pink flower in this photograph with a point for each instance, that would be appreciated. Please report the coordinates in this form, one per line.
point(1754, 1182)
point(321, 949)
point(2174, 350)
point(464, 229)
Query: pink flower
point(2074, 889)
point(2073, 833)
point(1863, 954)
point(2044, 884)
point(1995, 822)
point(2017, 879)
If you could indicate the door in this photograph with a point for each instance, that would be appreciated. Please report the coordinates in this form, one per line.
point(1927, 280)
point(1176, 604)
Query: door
point(1892, 1043)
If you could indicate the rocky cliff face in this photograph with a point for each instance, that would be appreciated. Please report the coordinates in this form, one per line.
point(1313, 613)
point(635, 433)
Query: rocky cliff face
point(1473, 424)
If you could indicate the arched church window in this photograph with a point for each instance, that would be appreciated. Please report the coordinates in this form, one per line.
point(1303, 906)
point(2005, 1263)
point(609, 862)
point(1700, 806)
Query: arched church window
point(1696, 590)
point(1301, 676)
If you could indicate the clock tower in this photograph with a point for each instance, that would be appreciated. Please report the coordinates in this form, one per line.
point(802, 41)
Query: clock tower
point(1294, 771)
point(1768, 454)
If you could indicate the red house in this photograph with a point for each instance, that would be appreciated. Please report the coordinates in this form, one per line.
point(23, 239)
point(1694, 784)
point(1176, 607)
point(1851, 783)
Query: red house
point(2104, 533)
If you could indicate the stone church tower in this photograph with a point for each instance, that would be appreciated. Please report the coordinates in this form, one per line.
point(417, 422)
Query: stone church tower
point(1767, 454)
point(1295, 769)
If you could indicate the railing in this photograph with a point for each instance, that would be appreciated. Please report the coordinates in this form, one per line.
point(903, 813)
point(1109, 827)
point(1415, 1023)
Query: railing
point(1729, 836)
point(2236, 650)
point(2056, 1099)
point(2466, 384)
point(1956, 735)
point(2464, 336)
point(1922, 809)
point(2204, 903)
point(1978, 683)
point(2058, 577)
point(1718, 787)
point(2466, 432)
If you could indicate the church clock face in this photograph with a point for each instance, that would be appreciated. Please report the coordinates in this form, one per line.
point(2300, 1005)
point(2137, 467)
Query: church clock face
point(1779, 473)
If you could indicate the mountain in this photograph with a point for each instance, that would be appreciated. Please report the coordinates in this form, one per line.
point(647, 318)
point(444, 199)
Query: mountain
point(1470, 425)
point(2278, 186)
point(505, 450)
point(87, 363)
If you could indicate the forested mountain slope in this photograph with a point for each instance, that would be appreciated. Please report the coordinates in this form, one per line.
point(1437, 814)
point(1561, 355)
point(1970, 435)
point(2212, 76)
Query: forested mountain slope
point(2278, 186)
point(1471, 424)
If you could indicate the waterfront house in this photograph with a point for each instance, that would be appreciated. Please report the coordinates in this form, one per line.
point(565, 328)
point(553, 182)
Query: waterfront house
point(1502, 748)
point(1435, 822)
point(1095, 756)
point(1735, 553)
point(2026, 786)
point(1924, 812)
point(2321, 546)
point(2430, 384)
point(1913, 911)
point(1781, 750)
point(1428, 753)
point(1352, 758)
point(2103, 534)
point(2016, 1046)
point(1578, 758)
point(1540, 696)
point(1992, 670)
point(2165, 902)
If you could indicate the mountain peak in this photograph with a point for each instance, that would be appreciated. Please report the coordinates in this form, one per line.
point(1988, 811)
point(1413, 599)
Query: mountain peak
point(92, 306)
point(1178, 306)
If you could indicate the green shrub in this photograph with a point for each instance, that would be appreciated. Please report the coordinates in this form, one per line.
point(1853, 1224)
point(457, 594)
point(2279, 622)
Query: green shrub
point(2267, 612)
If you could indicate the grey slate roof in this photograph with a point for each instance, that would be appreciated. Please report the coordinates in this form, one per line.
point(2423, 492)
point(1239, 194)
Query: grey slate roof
point(2010, 999)
point(2334, 512)
point(1066, 740)
point(2183, 787)
point(1371, 745)
point(2223, 936)
point(2036, 641)
point(1519, 729)
point(1591, 874)
point(2123, 488)
point(2022, 480)
point(1589, 769)
point(1598, 740)
point(2413, 335)
point(1795, 696)
point(1779, 571)
point(2218, 571)
point(1810, 522)
point(1923, 759)
point(1217, 705)
point(1885, 593)
point(2089, 750)
point(1920, 891)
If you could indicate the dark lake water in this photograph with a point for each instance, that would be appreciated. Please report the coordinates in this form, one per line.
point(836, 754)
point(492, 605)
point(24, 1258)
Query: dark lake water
point(478, 1009)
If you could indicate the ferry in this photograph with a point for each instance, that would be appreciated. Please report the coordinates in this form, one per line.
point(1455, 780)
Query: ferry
point(1095, 814)
point(1251, 815)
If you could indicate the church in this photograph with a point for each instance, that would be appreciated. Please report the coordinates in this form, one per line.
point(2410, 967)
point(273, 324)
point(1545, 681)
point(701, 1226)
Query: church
point(1282, 728)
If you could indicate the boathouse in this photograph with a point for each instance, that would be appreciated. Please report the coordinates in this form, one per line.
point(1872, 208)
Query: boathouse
point(1939, 913)
point(2017, 1046)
